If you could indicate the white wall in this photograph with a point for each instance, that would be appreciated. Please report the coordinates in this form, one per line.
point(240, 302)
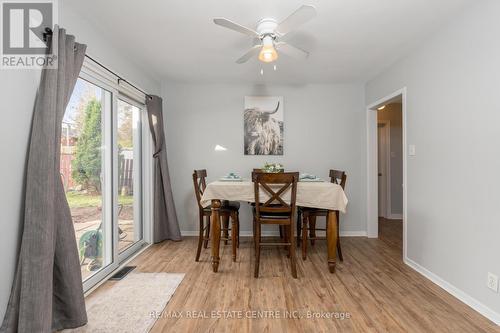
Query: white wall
point(17, 93)
point(453, 83)
point(102, 49)
point(324, 129)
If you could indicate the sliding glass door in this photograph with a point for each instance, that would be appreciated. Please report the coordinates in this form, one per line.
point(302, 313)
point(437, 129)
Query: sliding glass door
point(128, 145)
point(101, 170)
point(85, 164)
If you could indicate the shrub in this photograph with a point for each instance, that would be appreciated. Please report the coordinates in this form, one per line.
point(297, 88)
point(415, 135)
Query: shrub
point(87, 162)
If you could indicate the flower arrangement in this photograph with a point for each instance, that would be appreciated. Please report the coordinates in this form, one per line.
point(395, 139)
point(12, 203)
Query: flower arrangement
point(273, 167)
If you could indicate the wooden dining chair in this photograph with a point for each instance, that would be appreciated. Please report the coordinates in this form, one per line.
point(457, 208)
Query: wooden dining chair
point(275, 211)
point(228, 210)
point(280, 227)
point(309, 216)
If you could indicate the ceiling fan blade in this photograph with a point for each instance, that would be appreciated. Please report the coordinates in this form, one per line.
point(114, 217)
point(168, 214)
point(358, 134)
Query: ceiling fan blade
point(250, 53)
point(297, 18)
point(235, 26)
point(291, 50)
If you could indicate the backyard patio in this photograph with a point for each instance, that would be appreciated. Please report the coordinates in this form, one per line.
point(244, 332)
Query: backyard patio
point(86, 212)
point(127, 228)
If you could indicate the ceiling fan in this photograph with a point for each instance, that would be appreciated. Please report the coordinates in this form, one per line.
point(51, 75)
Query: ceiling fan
point(268, 35)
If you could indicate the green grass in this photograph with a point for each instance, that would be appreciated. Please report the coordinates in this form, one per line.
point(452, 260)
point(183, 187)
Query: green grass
point(80, 200)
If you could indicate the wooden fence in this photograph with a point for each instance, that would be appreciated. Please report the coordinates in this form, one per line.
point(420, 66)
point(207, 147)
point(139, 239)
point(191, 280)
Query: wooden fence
point(125, 174)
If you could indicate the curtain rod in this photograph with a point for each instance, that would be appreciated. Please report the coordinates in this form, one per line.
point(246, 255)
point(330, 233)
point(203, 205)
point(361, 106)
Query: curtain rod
point(48, 32)
point(118, 76)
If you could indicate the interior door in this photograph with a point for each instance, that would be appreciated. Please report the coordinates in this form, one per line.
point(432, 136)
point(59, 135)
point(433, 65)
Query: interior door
point(382, 170)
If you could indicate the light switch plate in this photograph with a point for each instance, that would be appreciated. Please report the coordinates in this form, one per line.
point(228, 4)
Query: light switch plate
point(412, 150)
point(493, 282)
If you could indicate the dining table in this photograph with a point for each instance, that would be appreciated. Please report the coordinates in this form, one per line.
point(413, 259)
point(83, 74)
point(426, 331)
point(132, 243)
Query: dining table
point(313, 194)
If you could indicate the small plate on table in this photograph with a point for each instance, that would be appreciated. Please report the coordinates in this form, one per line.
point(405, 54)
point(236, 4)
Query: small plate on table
point(226, 179)
point(231, 178)
point(309, 178)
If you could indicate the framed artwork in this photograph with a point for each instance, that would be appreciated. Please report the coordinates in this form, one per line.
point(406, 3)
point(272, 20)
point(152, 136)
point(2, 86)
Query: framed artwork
point(263, 125)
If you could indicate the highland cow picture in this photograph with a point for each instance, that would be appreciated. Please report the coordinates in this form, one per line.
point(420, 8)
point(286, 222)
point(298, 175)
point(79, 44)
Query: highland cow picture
point(263, 129)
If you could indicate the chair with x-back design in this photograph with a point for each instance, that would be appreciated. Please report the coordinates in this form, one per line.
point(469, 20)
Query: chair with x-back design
point(275, 210)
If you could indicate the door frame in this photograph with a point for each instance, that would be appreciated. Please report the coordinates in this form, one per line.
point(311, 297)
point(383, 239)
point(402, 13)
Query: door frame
point(372, 160)
point(108, 166)
point(386, 132)
point(138, 204)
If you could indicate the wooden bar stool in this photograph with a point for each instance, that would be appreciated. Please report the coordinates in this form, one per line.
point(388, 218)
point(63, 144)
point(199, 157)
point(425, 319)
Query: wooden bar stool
point(309, 216)
point(275, 211)
point(228, 210)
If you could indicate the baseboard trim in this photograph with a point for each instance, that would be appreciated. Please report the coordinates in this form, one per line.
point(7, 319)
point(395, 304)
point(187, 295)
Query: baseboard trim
point(190, 233)
point(395, 217)
point(353, 234)
point(456, 292)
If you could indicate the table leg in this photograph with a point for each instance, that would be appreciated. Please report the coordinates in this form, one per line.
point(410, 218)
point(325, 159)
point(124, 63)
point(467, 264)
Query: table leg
point(215, 226)
point(331, 237)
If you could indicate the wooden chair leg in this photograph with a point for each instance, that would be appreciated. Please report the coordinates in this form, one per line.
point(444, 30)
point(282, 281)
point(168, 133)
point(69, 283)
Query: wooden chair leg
point(225, 226)
point(238, 229)
point(305, 220)
point(312, 228)
point(207, 233)
point(293, 259)
point(255, 235)
point(299, 227)
point(287, 239)
point(234, 230)
point(339, 248)
point(285, 236)
point(200, 239)
point(257, 250)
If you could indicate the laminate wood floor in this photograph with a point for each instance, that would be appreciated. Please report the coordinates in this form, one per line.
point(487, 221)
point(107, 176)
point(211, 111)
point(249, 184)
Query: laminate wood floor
point(372, 291)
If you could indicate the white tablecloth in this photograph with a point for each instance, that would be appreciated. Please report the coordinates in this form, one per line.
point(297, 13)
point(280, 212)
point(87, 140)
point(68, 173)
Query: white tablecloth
point(324, 195)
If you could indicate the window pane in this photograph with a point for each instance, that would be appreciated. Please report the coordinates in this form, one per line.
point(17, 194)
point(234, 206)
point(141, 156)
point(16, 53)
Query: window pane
point(82, 171)
point(129, 175)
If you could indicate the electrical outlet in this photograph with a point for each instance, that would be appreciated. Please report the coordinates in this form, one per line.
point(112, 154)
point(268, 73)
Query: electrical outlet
point(493, 282)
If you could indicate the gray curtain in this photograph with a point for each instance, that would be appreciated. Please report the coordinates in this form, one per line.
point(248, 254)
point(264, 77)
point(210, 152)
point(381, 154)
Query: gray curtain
point(47, 292)
point(165, 221)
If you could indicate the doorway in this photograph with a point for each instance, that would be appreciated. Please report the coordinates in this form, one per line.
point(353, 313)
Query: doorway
point(390, 160)
point(386, 167)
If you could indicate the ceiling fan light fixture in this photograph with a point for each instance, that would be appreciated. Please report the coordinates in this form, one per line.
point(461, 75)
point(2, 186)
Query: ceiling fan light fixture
point(268, 52)
point(269, 33)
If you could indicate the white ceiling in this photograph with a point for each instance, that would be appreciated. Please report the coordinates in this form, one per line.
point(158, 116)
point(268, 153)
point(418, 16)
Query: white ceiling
point(349, 40)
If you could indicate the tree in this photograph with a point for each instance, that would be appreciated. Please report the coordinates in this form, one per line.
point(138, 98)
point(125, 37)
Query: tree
point(125, 121)
point(87, 162)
